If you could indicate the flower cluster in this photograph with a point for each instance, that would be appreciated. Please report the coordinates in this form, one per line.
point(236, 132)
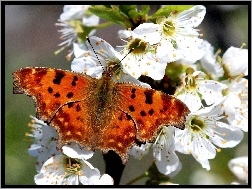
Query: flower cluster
point(213, 88)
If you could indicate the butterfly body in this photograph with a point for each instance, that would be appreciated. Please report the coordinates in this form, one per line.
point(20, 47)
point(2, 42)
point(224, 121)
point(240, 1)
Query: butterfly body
point(98, 113)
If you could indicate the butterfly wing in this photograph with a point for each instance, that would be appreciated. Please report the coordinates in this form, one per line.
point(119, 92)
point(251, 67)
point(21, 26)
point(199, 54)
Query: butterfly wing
point(119, 135)
point(51, 88)
point(151, 109)
point(73, 125)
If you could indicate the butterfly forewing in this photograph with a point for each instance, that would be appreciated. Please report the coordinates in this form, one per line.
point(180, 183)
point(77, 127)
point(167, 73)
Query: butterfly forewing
point(51, 88)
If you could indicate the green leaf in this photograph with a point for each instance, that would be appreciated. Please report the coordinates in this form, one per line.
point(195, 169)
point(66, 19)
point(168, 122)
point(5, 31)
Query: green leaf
point(166, 11)
point(127, 8)
point(111, 14)
point(145, 9)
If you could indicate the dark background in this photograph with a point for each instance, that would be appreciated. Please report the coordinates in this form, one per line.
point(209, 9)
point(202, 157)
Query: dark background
point(31, 38)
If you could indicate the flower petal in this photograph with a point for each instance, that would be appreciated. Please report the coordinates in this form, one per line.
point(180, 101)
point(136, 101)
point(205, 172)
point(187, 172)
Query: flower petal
point(74, 151)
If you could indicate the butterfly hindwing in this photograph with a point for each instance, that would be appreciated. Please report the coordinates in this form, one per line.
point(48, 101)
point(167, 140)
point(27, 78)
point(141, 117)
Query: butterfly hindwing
point(119, 135)
point(151, 109)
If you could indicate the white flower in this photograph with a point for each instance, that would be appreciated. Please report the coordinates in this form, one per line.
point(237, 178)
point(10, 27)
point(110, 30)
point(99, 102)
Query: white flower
point(179, 30)
point(142, 56)
point(204, 130)
point(62, 170)
point(177, 36)
point(239, 166)
point(209, 62)
point(235, 61)
point(75, 21)
point(105, 58)
point(196, 88)
point(45, 138)
point(236, 103)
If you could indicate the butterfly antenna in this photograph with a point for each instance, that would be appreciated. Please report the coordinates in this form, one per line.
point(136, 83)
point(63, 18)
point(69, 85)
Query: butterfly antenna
point(127, 54)
point(122, 59)
point(95, 53)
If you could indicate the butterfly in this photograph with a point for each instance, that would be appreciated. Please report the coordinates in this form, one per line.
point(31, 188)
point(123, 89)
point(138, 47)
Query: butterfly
point(98, 114)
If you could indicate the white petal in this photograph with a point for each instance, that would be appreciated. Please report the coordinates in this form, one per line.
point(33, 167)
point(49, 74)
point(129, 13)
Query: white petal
point(74, 151)
point(130, 66)
point(163, 151)
point(52, 172)
point(87, 65)
point(147, 32)
point(79, 49)
point(215, 110)
point(204, 163)
point(152, 68)
point(239, 166)
point(193, 16)
point(139, 151)
point(211, 90)
point(168, 163)
point(105, 180)
point(92, 20)
point(91, 175)
point(190, 48)
point(209, 62)
point(191, 99)
point(230, 103)
point(202, 149)
point(236, 61)
point(167, 53)
point(225, 137)
point(182, 140)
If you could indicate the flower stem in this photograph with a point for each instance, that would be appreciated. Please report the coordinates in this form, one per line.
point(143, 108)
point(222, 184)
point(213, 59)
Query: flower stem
point(138, 178)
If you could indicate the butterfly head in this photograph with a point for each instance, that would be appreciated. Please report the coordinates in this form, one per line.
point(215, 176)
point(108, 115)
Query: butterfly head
point(113, 69)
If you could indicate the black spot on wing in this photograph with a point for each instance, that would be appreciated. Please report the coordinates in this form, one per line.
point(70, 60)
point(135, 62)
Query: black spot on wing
point(131, 108)
point(133, 95)
point(74, 81)
point(58, 76)
point(57, 95)
point(69, 95)
point(143, 113)
point(151, 112)
point(149, 96)
point(50, 90)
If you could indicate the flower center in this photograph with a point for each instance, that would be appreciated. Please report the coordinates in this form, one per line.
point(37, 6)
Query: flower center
point(138, 46)
point(190, 82)
point(169, 28)
point(197, 124)
point(72, 166)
